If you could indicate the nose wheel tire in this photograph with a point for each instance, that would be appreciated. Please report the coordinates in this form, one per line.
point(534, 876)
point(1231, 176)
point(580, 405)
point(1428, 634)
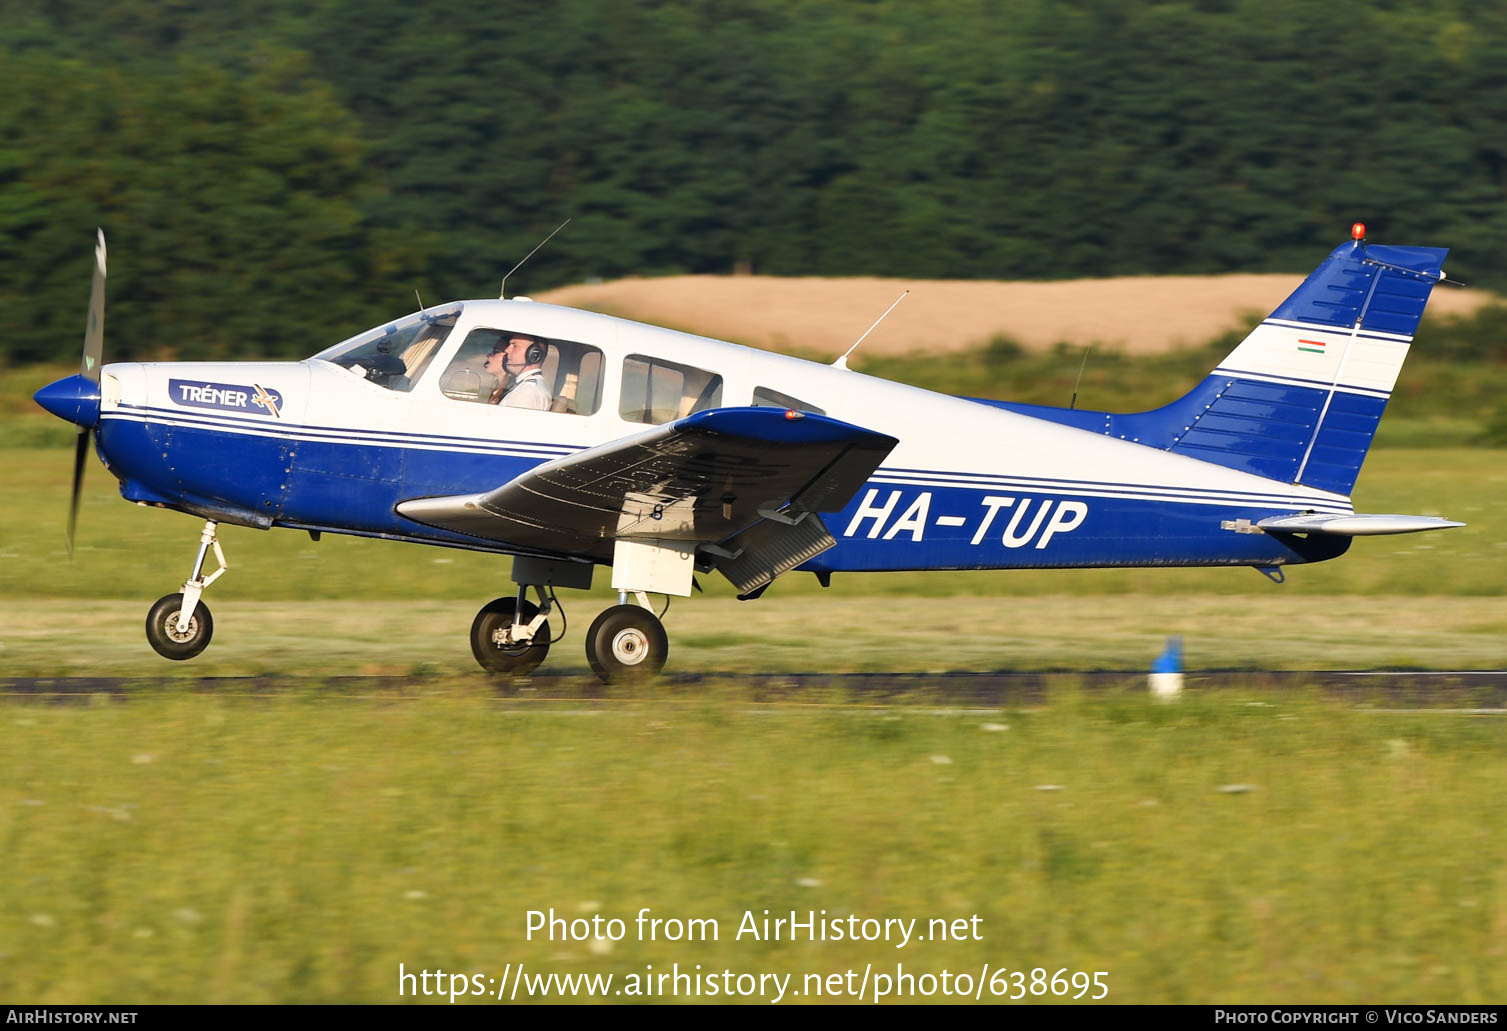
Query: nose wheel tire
point(162, 629)
point(517, 659)
point(627, 642)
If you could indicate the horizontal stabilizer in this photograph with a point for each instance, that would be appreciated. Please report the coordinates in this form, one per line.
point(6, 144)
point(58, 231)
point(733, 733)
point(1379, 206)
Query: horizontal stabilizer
point(1357, 525)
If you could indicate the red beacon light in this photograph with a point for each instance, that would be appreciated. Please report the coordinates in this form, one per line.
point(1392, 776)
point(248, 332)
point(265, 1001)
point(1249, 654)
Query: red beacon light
point(1358, 231)
point(791, 413)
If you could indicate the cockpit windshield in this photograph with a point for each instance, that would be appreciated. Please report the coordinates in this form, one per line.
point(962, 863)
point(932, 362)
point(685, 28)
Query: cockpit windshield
point(395, 355)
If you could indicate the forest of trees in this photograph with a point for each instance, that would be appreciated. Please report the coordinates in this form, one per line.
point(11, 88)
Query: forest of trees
point(273, 177)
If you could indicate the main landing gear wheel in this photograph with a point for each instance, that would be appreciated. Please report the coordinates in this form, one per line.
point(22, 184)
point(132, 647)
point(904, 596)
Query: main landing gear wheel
point(162, 629)
point(627, 642)
point(489, 639)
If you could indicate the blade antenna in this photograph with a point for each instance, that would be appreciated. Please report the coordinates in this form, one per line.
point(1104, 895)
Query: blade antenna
point(842, 360)
point(1078, 382)
point(502, 294)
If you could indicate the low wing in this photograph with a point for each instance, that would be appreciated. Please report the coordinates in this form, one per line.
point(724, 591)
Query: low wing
point(1357, 525)
point(698, 479)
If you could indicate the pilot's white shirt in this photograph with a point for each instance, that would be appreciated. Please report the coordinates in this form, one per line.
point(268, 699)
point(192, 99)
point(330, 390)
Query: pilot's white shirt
point(528, 391)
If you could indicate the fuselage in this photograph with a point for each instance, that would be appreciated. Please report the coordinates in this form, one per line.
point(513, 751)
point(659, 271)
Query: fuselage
point(320, 446)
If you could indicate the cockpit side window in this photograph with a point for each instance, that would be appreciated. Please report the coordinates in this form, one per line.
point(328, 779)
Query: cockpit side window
point(656, 391)
point(395, 355)
point(763, 397)
point(564, 377)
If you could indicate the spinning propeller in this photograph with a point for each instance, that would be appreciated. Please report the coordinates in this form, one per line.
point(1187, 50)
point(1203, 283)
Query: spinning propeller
point(77, 398)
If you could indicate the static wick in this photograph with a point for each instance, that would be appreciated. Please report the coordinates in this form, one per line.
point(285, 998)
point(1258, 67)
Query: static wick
point(842, 360)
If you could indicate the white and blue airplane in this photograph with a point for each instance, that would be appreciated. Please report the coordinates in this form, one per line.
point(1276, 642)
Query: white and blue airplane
point(662, 454)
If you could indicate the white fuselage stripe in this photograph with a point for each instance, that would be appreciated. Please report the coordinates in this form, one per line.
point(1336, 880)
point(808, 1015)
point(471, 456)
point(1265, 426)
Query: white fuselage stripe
point(1085, 491)
point(375, 438)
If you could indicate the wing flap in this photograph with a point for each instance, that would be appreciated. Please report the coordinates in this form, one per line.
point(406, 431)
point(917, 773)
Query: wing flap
point(754, 557)
point(1356, 525)
point(702, 478)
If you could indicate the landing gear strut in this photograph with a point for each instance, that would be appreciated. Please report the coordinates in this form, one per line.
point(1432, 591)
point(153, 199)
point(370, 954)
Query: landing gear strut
point(626, 643)
point(511, 635)
point(179, 626)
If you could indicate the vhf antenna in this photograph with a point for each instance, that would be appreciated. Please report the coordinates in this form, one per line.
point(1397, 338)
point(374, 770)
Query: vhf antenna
point(1079, 381)
point(842, 360)
point(503, 292)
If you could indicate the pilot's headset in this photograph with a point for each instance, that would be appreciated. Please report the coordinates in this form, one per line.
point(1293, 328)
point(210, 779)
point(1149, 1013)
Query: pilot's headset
point(535, 353)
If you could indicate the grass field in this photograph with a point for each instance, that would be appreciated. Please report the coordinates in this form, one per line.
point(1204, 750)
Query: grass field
point(1135, 314)
point(178, 848)
point(1264, 630)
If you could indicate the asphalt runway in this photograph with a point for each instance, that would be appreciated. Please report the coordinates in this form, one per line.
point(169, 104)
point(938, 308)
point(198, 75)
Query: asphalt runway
point(1474, 691)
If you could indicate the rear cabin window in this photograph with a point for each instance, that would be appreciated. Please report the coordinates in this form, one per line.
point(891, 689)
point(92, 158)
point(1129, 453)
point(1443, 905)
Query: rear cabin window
point(763, 397)
point(570, 372)
point(656, 391)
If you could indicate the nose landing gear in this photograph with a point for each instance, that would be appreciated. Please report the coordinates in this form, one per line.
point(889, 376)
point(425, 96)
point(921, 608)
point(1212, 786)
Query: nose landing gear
point(179, 626)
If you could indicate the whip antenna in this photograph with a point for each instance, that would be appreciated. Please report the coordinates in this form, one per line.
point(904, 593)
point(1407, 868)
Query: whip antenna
point(503, 292)
point(842, 361)
point(1074, 402)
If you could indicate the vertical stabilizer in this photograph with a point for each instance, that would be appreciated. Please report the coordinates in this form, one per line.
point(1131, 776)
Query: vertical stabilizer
point(1300, 399)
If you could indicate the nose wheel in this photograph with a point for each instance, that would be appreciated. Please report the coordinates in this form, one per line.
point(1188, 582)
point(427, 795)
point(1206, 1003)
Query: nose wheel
point(163, 631)
point(627, 642)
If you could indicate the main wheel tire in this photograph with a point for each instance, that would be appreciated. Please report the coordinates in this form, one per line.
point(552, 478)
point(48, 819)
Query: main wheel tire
point(516, 660)
point(162, 629)
point(627, 642)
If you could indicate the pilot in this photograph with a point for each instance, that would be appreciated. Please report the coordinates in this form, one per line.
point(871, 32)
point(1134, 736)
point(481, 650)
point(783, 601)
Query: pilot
point(520, 381)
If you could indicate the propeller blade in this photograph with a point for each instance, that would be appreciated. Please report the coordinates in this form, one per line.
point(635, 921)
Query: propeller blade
point(80, 455)
point(94, 332)
point(94, 348)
